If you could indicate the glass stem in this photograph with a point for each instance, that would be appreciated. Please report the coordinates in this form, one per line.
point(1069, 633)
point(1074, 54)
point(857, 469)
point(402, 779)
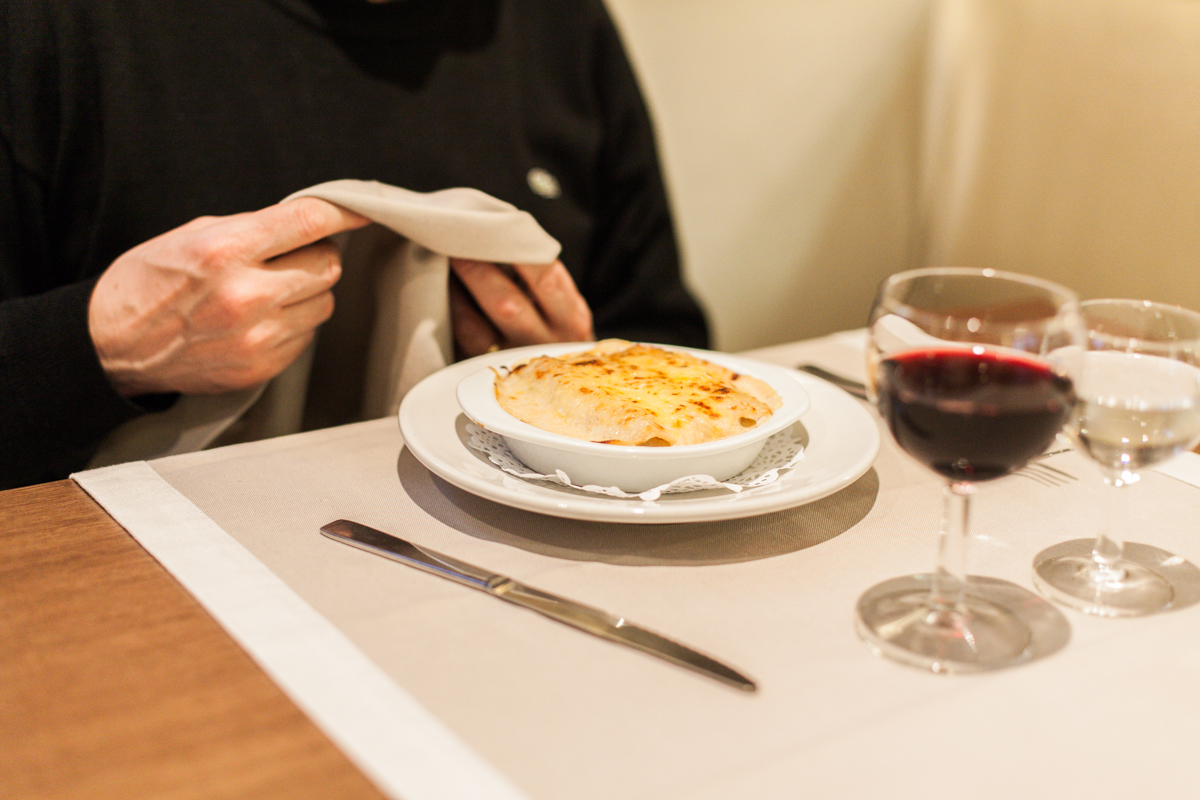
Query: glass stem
point(949, 580)
point(1108, 549)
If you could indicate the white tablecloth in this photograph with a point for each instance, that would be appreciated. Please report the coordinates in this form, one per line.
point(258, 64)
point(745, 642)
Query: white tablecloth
point(439, 691)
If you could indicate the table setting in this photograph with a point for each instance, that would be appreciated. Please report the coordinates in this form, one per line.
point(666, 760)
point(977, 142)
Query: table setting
point(434, 689)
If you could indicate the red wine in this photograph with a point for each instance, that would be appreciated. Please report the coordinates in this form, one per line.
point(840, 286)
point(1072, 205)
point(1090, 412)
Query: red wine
point(972, 416)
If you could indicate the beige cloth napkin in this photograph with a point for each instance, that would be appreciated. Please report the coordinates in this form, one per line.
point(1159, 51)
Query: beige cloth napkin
point(390, 330)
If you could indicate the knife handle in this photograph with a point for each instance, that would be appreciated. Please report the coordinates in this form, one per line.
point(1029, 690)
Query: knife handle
point(397, 549)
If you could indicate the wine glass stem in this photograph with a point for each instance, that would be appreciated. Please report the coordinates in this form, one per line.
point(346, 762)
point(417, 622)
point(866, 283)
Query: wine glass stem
point(949, 579)
point(1108, 550)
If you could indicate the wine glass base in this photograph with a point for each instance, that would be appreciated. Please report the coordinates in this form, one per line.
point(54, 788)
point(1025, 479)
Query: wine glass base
point(1067, 574)
point(999, 624)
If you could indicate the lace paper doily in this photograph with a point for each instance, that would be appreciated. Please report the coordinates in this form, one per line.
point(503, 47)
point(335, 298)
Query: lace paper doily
point(780, 452)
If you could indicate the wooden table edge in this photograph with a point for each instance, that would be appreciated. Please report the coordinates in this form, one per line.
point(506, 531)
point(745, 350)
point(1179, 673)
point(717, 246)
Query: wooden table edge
point(117, 683)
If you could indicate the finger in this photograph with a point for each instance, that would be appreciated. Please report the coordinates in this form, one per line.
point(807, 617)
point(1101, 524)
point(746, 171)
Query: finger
point(306, 314)
point(473, 333)
point(510, 310)
point(566, 312)
point(289, 350)
point(305, 272)
point(270, 345)
point(212, 365)
point(268, 363)
point(287, 226)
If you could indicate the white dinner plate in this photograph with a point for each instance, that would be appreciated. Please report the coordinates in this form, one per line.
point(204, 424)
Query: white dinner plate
point(842, 442)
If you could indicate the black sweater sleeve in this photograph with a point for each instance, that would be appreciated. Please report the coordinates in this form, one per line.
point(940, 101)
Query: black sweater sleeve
point(635, 252)
point(56, 404)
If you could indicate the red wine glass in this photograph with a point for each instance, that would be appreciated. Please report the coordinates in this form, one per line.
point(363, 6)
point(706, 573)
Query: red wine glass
point(960, 367)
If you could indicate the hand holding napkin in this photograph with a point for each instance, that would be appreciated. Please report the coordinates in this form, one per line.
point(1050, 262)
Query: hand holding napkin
point(391, 329)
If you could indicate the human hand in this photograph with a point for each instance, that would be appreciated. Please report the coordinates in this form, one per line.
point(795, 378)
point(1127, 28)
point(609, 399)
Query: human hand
point(490, 309)
point(221, 303)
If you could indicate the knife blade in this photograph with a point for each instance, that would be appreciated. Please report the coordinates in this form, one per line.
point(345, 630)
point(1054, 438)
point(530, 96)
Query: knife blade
point(849, 385)
point(569, 612)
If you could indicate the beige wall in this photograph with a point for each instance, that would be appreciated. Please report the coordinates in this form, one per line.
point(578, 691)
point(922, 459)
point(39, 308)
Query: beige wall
point(788, 131)
point(814, 146)
point(1063, 139)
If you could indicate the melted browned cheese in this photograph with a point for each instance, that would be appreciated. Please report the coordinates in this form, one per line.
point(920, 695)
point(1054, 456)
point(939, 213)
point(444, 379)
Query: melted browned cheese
point(622, 393)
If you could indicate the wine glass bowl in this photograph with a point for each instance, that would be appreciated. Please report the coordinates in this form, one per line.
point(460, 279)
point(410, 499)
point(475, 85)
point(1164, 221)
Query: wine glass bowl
point(1137, 404)
point(959, 365)
point(971, 414)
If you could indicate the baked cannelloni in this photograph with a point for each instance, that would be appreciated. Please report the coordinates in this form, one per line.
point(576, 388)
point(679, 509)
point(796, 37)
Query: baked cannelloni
point(633, 394)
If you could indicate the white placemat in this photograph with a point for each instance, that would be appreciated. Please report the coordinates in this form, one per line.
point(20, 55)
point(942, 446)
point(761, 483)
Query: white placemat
point(399, 745)
point(563, 715)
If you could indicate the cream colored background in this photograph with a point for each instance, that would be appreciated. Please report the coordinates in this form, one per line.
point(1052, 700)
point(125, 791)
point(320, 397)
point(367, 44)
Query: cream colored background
point(814, 146)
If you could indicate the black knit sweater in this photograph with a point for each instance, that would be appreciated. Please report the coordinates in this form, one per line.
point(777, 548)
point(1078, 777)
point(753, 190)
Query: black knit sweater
point(120, 121)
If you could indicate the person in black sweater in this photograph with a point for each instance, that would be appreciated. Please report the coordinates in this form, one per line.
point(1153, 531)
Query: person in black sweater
point(147, 144)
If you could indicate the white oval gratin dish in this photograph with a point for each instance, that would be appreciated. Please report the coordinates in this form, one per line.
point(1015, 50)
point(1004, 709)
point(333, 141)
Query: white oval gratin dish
point(631, 468)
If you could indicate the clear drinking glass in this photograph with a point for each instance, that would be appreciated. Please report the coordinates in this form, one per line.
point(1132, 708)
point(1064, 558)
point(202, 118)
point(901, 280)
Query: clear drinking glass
point(1137, 388)
point(958, 367)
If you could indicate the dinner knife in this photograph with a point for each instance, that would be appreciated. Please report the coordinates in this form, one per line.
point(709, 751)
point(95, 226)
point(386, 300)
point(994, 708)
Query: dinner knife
point(577, 615)
point(855, 388)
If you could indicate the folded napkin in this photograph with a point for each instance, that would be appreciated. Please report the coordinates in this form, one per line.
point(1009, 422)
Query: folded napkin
point(391, 327)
